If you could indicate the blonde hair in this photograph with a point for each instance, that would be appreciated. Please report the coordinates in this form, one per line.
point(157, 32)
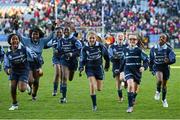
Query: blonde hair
point(98, 37)
point(90, 33)
point(118, 34)
point(139, 38)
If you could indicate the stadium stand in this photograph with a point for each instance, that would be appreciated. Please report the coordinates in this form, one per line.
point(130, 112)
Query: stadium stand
point(151, 17)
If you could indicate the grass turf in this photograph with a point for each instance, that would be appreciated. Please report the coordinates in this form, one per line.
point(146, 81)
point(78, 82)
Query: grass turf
point(79, 102)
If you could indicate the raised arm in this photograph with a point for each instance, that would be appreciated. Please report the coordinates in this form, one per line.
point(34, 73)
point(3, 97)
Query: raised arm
point(45, 40)
point(50, 44)
point(24, 40)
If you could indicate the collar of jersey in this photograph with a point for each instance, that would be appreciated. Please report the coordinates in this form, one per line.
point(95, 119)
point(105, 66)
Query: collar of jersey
point(116, 43)
point(161, 47)
point(96, 44)
point(132, 47)
point(19, 47)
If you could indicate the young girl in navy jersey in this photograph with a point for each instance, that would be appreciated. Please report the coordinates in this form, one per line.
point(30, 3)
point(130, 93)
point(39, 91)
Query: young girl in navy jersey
point(16, 65)
point(69, 50)
point(91, 58)
point(161, 56)
point(115, 54)
point(133, 68)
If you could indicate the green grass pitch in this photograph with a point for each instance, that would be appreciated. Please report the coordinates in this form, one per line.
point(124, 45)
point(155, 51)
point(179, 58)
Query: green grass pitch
point(79, 102)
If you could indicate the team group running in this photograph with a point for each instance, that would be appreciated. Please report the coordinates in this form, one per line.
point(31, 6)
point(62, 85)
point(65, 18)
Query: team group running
point(23, 62)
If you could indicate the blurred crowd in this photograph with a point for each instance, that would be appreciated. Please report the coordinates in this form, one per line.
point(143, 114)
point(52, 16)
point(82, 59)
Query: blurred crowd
point(13, 1)
point(132, 16)
point(147, 16)
point(38, 13)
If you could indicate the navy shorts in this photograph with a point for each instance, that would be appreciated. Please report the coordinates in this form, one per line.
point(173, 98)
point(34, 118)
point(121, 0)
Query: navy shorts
point(132, 74)
point(97, 72)
point(165, 71)
point(55, 60)
point(116, 68)
point(71, 64)
point(34, 66)
point(20, 76)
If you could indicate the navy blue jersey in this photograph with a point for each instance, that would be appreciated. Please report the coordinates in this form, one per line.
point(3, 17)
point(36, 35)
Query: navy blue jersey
point(158, 55)
point(116, 55)
point(134, 58)
point(91, 56)
point(116, 52)
point(65, 47)
point(17, 60)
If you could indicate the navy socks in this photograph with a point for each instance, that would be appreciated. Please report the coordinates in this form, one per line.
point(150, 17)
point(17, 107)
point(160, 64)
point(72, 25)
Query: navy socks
point(93, 97)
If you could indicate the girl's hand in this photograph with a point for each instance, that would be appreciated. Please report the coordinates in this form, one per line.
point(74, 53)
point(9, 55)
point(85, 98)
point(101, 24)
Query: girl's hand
point(166, 60)
point(56, 52)
point(8, 71)
point(40, 72)
point(141, 69)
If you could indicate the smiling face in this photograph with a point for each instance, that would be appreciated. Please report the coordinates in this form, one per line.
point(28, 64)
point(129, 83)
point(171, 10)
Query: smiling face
point(14, 41)
point(92, 39)
point(162, 39)
point(132, 40)
point(35, 36)
point(67, 31)
point(120, 38)
point(59, 33)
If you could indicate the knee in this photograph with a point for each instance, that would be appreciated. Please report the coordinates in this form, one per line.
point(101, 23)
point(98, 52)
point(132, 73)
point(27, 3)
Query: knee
point(64, 79)
point(56, 78)
point(57, 75)
point(92, 86)
point(99, 89)
point(130, 87)
point(22, 89)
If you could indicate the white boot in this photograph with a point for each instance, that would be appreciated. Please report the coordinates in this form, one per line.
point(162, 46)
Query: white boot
point(157, 96)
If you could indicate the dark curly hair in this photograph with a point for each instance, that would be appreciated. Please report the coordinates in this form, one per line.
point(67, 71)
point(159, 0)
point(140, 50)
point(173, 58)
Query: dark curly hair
point(36, 29)
point(10, 37)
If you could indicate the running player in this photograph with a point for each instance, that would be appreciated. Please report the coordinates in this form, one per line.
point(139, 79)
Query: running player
point(161, 56)
point(91, 58)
